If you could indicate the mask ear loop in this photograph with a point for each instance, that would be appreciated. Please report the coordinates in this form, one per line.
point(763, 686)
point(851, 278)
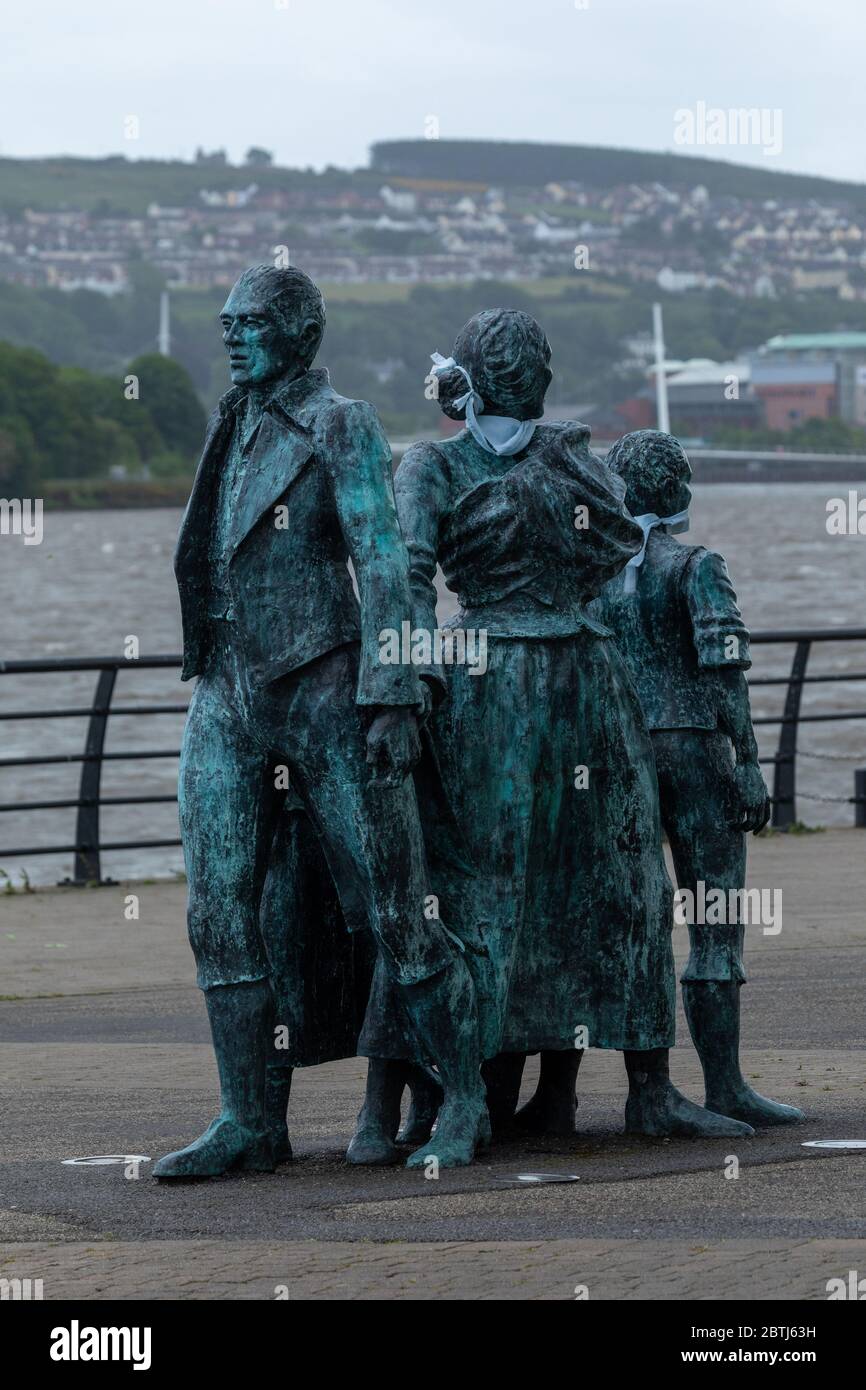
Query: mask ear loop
point(467, 401)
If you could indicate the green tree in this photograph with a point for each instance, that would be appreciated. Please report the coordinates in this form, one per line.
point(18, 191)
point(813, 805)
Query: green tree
point(31, 388)
point(134, 435)
point(168, 396)
point(19, 467)
point(829, 436)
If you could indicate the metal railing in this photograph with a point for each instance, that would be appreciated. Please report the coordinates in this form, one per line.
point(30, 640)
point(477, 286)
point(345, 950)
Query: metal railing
point(88, 846)
point(784, 797)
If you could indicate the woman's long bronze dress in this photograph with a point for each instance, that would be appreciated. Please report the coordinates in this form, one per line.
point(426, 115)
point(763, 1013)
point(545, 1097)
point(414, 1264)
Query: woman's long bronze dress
point(566, 919)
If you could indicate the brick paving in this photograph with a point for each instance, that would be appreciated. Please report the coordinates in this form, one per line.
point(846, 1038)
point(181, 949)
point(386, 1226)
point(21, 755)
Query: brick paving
point(105, 1051)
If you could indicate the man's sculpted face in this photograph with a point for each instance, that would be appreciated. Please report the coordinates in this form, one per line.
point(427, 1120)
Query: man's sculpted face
point(262, 348)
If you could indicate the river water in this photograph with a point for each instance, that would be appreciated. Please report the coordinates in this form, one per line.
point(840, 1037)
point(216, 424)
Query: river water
point(100, 577)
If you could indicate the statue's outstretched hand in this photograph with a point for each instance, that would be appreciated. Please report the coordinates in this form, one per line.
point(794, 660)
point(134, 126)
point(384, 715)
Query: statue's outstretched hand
point(393, 746)
point(750, 801)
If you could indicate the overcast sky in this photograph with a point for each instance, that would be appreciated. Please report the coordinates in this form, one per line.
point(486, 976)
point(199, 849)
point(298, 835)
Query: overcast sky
point(316, 81)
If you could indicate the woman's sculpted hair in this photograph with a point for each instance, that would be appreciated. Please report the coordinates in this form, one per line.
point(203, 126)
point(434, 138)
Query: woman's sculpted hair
point(505, 352)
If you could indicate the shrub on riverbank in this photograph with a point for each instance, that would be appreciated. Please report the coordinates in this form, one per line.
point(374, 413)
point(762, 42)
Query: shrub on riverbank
point(73, 494)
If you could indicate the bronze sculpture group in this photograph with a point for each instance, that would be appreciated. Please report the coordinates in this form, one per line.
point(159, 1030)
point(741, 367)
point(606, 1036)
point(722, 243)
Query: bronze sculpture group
point(396, 849)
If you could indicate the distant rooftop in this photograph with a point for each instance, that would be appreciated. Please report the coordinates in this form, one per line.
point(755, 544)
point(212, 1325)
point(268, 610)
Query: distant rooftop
point(702, 371)
point(805, 342)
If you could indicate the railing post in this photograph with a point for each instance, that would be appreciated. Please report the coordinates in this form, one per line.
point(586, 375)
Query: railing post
point(860, 798)
point(785, 775)
point(87, 860)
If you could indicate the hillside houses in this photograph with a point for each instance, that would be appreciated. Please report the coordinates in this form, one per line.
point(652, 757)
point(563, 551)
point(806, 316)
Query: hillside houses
point(417, 231)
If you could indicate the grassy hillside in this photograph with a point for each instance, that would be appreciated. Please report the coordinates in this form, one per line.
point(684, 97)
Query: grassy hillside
point(532, 165)
point(118, 185)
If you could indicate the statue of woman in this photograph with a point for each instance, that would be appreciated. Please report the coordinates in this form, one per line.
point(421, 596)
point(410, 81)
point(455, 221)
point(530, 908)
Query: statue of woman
point(542, 749)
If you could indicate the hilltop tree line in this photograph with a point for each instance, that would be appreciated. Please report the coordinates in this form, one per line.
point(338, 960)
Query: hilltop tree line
point(532, 164)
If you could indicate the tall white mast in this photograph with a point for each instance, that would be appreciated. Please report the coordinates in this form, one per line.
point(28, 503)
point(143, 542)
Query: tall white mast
point(663, 419)
point(164, 339)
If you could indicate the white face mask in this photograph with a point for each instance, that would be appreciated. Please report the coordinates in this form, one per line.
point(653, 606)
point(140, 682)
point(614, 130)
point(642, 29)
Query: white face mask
point(498, 434)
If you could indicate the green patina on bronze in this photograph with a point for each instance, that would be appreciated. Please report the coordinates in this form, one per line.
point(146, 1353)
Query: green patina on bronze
point(294, 482)
point(532, 815)
point(687, 649)
point(566, 923)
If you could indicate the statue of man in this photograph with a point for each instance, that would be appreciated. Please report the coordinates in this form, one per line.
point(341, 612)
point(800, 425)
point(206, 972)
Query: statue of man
point(294, 482)
point(674, 614)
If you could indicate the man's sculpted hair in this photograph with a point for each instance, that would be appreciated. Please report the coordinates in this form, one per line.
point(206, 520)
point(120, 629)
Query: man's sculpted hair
point(290, 293)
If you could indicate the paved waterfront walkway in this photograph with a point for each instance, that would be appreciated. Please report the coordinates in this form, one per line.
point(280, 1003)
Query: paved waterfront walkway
point(104, 1049)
